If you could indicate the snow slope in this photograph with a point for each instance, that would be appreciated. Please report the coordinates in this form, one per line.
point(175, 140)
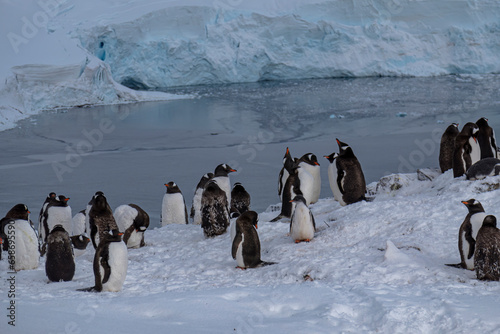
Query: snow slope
point(373, 267)
point(58, 53)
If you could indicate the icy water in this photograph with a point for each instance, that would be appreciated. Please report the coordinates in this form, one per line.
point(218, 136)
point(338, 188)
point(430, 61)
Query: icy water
point(130, 151)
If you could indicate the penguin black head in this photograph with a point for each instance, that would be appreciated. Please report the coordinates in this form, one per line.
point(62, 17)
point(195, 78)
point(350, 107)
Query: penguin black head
point(58, 228)
point(490, 221)
point(98, 193)
point(344, 149)
point(299, 198)
point(483, 121)
point(18, 211)
point(204, 179)
point(80, 241)
point(237, 187)
point(172, 188)
point(52, 195)
point(63, 200)
point(473, 205)
point(250, 217)
point(331, 157)
point(223, 170)
point(100, 202)
point(470, 129)
point(310, 159)
point(114, 236)
point(212, 186)
point(287, 155)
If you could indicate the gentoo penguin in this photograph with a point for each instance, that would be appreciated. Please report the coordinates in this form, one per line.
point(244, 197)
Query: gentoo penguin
point(196, 207)
point(16, 227)
point(332, 176)
point(221, 176)
point(246, 245)
point(51, 198)
point(240, 198)
point(214, 212)
point(287, 159)
point(290, 190)
point(462, 158)
point(309, 163)
point(110, 263)
point(350, 177)
point(57, 212)
point(447, 146)
point(483, 168)
point(173, 208)
point(302, 225)
point(79, 237)
point(468, 233)
point(101, 219)
point(487, 252)
point(133, 221)
point(60, 263)
point(88, 227)
point(486, 139)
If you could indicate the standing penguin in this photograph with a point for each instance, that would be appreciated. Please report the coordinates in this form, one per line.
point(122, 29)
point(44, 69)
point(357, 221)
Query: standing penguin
point(486, 139)
point(16, 226)
point(221, 176)
point(101, 219)
point(290, 190)
point(447, 146)
point(462, 153)
point(332, 176)
point(110, 263)
point(240, 198)
point(287, 159)
point(350, 177)
point(51, 198)
point(468, 233)
point(57, 212)
point(173, 208)
point(133, 221)
point(246, 244)
point(309, 163)
point(60, 263)
point(302, 225)
point(487, 252)
point(214, 212)
point(196, 207)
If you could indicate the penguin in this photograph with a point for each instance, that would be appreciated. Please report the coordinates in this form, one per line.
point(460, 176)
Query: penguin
point(101, 219)
point(350, 177)
point(88, 226)
point(246, 245)
point(17, 227)
point(302, 225)
point(483, 168)
point(51, 198)
point(308, 162)
point(447, 146)
point(332, 176)
point(196, 207)
point(110, 263)
point(233, 216)
point(133, 221)
point(462, 153)
point(468, 233)
point(240, 198)
point(79, 239)
point(287, 159)
point(57, 212)
point(487, 252)
point(214, 212)
point(221, 176)
point(173, 208)
point(486, 139)
point(60, 263)
point(290, 190)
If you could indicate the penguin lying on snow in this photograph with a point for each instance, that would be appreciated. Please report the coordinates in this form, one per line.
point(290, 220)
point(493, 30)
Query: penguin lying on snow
point(60, 263)
point(483, 168)
point(196, 207)
point(487, 252)
point(132, 220)
point(302, 225)
point(173, 208)
point(447, 146)
point(246, 245)
point(110, 263)
point(468, 233)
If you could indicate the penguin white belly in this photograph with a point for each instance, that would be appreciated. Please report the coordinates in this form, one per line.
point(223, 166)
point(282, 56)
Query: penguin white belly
point(135, 239)
point(26, 245)
point(281, 185)
point(87, 219)
point(475, 153)
point(316, 188)
point(332, 177)
point(124, 216)
point(476, 221)
point(232, 229)
point(118, 262)
point(302, 226)
point(78, 224)
point(225, 185)
point(239, 253)
point(197, 206)
point(173, 209)
point(306, 185)
point(60, 215)
point(469, 263)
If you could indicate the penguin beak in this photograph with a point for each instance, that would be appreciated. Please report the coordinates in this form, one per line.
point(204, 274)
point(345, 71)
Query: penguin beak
point(465, 202)
point(67, 199)
point(233, 170)
point(316, 163)
point(29, 211)
point(120, 233)
point(166, 185)
point(338, 141)
point(256, 226)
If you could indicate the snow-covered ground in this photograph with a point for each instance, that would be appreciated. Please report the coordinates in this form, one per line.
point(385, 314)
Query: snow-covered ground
point(62, 53)
point(373, 267)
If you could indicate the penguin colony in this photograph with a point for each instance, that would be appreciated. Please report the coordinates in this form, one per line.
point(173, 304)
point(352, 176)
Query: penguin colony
point(471, 152)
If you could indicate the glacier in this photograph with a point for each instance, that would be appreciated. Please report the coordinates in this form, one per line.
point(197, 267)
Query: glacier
point(64, 53)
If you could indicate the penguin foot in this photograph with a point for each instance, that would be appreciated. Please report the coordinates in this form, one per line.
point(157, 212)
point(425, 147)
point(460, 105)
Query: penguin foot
point(242, 268)
point(305, 240)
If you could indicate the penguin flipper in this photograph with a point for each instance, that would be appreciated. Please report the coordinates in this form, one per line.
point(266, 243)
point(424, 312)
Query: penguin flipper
point(128, 233)
point(340, 178)
point(236, 242)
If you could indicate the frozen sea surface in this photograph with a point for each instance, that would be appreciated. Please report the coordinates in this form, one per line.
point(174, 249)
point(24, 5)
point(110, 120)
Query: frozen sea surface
point(130, 151)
